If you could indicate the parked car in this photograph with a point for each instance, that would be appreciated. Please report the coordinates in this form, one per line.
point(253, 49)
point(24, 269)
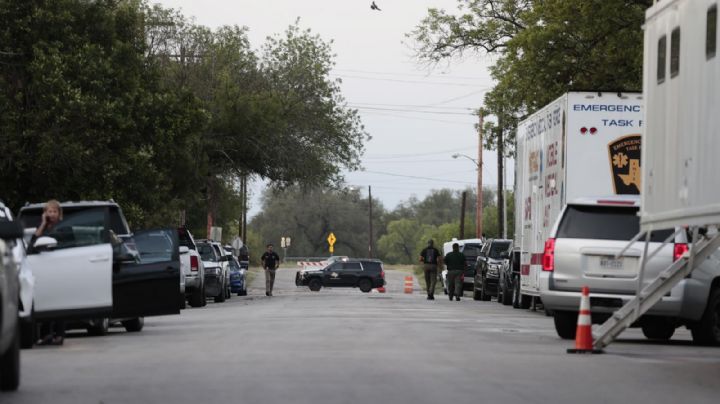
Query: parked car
point(192, 268)
point(93, 271)
point(216, 281)
point(10, 232)
point(471, 249)
point(365, 274)
point(237, 276)
point(510, 279)
point(27, 282)
point(494, 255)
point(582, 251)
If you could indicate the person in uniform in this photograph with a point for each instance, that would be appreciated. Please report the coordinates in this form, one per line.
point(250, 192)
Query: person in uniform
point(271, 262)
point(429, 258)
point(455, 262)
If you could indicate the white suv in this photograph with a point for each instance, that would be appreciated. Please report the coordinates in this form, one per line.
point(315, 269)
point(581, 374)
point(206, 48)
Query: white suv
point(581, 251)
point(10, 232)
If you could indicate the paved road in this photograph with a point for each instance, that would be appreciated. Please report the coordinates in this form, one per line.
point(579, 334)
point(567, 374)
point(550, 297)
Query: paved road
point(343, 346)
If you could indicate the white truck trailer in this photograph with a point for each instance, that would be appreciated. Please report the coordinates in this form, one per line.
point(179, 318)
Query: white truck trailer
point(583, 144)
point(680, 184)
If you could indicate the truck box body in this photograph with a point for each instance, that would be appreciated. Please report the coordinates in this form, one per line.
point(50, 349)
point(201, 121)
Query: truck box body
point(682, 82)
point(583, 144)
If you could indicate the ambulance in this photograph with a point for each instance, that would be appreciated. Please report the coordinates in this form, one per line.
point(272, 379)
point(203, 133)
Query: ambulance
point(584, 144)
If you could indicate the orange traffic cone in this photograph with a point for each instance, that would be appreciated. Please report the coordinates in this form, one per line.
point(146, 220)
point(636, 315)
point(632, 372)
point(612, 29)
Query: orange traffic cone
point(408, 284)
point(583, 335)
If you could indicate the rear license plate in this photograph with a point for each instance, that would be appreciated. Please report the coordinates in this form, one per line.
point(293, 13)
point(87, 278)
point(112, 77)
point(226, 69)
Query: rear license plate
point(611, 263)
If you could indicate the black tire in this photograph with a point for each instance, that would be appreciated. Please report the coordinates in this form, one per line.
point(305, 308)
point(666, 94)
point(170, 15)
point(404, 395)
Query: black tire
point(707, 330)
point(506, 299)
point(315, 284)
point(484, 296)
point(204, 297)
point(476, 293)
point(10, 364)
point(196, 297)
point(134, 325)
point(183, 301)
point(365, 285)
point(228, 293)
point(98, 327)
point(28, 333)
point(565, 324)
point(658, 329)
point(221, 297)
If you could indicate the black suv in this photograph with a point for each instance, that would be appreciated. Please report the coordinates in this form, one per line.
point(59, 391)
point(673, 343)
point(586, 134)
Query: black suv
point(365, 274)
point(509, 278)
point(493, 257)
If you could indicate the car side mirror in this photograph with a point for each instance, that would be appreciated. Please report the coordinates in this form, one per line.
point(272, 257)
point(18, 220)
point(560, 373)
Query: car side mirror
point(10, 230)
point(184, 249)
point(45, 243)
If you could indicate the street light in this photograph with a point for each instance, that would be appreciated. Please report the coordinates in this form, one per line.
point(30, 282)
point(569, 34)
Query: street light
point(478, 200)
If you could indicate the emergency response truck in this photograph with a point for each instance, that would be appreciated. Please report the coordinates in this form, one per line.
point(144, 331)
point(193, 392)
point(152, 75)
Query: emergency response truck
point(583, 144)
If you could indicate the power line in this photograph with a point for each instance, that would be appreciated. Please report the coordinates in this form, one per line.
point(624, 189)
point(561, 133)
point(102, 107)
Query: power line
point(414, 118)
point(414, 81)
point(405, 155)
point(416, 111)
point(409, 106)
point(413, 74)
point(418, 177)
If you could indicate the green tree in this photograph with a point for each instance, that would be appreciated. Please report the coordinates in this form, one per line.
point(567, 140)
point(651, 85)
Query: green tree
point(400, 244)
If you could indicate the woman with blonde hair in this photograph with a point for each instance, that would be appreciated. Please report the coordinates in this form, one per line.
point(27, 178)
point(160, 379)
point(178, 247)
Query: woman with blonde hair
point(53, 331)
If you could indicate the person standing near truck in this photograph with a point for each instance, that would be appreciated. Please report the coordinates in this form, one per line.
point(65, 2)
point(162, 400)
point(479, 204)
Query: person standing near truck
point(455, 262)
point(429, 257)
point(271, 262)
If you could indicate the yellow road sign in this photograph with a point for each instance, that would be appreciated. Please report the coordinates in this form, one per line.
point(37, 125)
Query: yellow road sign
point(331, 240)
point(332, 250)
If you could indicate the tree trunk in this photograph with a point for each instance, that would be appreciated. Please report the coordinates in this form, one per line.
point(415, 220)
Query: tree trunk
point(462, 215)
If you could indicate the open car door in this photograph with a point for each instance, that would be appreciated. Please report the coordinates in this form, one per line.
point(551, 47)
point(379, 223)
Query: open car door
point(73, 274)
point(149, 285)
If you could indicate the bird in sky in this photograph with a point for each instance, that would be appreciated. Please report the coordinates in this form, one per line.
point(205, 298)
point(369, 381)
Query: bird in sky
point(374, 6)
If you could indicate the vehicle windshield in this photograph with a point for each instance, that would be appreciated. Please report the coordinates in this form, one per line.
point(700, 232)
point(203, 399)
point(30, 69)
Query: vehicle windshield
point(604, 223)
point(206, 252)
point(497, 248)
point(471, 251)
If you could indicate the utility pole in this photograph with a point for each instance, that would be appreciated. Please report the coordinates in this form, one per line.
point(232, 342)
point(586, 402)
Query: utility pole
point(241, 220)
point(370, 223)
point(478, 202)
point(245, 207)
point(462, 215)
point(501, 180)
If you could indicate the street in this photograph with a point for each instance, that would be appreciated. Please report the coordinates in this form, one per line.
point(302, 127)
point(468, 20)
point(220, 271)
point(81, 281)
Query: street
point(344, 346)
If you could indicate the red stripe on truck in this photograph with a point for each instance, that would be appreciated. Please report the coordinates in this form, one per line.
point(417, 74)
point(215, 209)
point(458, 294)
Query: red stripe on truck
point(536, 259)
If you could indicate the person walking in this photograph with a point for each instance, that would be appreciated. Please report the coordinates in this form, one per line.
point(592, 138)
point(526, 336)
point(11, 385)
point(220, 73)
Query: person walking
point(429, 257)
point(455, 262)
point(271, 262)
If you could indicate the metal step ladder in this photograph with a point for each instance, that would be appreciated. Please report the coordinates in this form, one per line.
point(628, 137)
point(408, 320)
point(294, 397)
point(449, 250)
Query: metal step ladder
point(652, 293)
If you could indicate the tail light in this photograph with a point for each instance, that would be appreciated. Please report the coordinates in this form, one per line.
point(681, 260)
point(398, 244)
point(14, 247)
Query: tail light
point(548, 261)
point(382, 273)
point(679, 250)
point(194, 264)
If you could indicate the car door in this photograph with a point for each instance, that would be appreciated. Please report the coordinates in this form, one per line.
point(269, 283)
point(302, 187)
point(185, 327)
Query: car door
point(332, 274)
point(74, 278)
point(149, 286)
point(350, 273)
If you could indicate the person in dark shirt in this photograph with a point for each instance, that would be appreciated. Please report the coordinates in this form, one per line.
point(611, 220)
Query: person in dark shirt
point(53, 332)
point(455, 262)
point(429, 257)
point(271, 262)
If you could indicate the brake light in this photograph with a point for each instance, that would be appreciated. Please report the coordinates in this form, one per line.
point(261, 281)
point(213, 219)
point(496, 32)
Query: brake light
point(382, 273)
point(194, 264)
point(679, 250)
point(548, 261)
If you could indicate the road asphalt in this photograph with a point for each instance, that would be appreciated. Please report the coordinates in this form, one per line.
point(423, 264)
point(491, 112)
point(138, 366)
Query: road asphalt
point(343, 346)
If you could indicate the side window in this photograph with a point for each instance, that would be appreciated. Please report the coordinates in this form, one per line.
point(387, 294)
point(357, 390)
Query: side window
point(117, 221)
point(154, 246)
point(351, 266)
point(711, 35)
point(675, 52)
point(661, 59)
point(80, 228)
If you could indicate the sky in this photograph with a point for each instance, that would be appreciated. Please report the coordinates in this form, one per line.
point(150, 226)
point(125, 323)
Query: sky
point(418, 115)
